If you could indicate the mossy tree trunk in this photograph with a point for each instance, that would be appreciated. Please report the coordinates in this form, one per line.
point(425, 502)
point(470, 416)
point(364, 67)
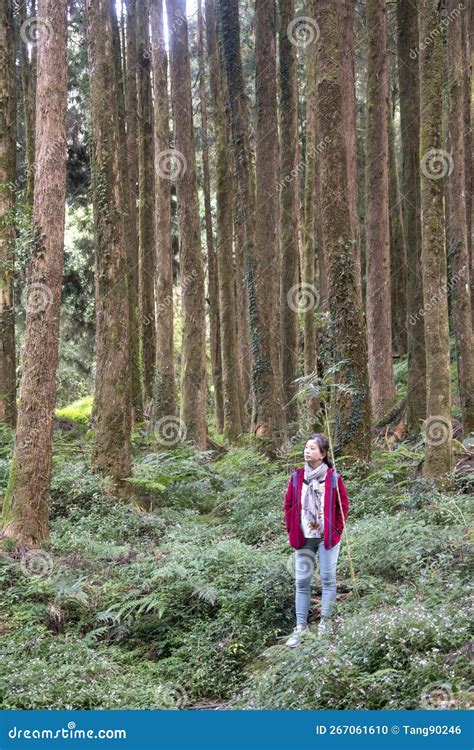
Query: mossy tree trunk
point(7, 215)
point(25, 511)
point(409, 83)
point(467, 31)
point(289, 210)
point(164, 390)
point(193, 352)
point(351, 410)
point(131, 174)
point(312, 245)
point(215, 343)
point(271, 414)
point(242, 314)
point(349, 109)
point(129, 226)
point(111, 454)
point(146, 202)
point(259, 280)
point(398, 259)
point(379, 320)
point(232, 392)
point(437, 428)
point(28, 78)
point(458, 220)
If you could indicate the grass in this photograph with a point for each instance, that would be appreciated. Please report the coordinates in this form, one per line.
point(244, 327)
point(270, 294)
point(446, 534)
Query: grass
point(189, 602)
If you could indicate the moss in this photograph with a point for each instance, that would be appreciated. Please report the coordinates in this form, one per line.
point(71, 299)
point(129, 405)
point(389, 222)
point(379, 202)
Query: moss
point(79, 411)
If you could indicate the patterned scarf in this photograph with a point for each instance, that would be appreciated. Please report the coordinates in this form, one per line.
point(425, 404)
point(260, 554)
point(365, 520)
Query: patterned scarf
point(312, 504)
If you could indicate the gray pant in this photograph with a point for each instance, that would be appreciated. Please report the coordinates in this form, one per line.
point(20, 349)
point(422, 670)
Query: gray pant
point(304, 567)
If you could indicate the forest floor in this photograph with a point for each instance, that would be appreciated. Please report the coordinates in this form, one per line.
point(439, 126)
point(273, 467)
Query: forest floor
point(185, 598)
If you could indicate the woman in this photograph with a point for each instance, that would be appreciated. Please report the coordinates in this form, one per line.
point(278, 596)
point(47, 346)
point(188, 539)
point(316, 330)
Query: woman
point(315, 524)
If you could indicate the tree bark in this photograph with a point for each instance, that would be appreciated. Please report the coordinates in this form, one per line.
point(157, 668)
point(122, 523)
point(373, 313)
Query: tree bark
point(289, 213)
point(379, 322)
point(312, 244)
point(408, 78)
point(458, 220)
point(262, 411)
point(146, 203)
point(349, 105)
point(129, 225)
point(25, 510)
point(437, 428)
point(131, 117)
point(111, 454)
point(270, 407)
point(398, 259)
point(232, 392)
point(164, 391)
point(467, 31)
point(350, 410)
point(28, 97)
point(212, 267)
point(193, 353)
point(8, 412)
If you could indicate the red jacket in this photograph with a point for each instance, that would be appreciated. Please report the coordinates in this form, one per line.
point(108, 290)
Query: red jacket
point(334, 522)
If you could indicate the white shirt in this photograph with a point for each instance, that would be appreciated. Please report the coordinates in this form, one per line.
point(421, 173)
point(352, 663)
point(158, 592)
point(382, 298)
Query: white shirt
point(304, 525)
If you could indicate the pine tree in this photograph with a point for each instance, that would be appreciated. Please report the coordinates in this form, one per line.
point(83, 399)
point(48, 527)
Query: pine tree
point(25, 508)
point(111, 413)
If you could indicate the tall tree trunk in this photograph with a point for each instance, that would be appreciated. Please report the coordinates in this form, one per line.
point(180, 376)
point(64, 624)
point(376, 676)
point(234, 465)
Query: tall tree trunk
point(458, 220)
point(437, 428)
point(146, 203)
point(193, 353)
point(111, 454)
point(28, 96)
point(379, 322)
point(262, 414)
point(7, 214)
point(398, 260)
point(212, 267)
point(346, 18)
point(25, 511)
point(467, 31)
point(129, 239)
point(242, 318)
point(408, 77)
point(267, 363)
point(230, 354)
point(311, 210)
point(350, 410)
point(164, 391)
point(131, 117)
point(289, 212)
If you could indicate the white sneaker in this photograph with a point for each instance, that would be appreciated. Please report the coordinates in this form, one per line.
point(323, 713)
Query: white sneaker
point(295, 638)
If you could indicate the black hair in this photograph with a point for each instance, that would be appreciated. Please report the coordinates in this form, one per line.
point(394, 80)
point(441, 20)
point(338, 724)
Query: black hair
point(323, 443)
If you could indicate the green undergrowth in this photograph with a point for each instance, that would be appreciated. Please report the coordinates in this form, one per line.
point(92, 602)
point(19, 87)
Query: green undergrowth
point(185, 595)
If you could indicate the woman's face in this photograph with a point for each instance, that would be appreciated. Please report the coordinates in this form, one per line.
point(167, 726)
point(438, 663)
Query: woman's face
point(312, 453)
